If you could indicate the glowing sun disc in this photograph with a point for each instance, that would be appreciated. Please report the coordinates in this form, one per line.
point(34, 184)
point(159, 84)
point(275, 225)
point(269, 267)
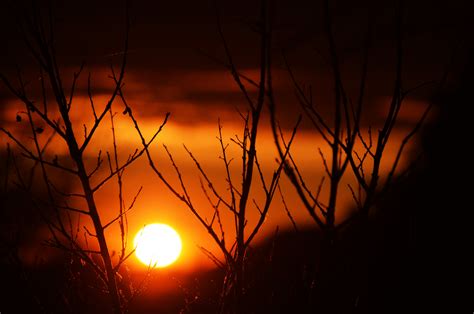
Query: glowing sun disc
point(157, 245)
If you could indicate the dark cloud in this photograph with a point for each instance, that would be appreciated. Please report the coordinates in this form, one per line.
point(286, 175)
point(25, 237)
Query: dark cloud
point(166, 65)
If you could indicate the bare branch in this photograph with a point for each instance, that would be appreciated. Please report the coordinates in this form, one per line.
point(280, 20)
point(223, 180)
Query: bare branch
point(212, 257)
point(288, 212)
point(73, 87)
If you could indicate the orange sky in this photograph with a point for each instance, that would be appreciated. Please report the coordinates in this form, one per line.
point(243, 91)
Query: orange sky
point(156, 203)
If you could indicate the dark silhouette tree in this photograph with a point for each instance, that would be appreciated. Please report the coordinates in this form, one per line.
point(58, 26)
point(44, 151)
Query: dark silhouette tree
point(50, 117)
point(239, 199)
point(344, 135)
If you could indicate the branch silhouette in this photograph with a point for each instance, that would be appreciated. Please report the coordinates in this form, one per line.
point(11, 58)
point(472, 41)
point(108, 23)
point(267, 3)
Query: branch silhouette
point(41, 120)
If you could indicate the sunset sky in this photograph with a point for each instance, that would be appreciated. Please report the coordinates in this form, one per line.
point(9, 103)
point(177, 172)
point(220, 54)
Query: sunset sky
point(168, 70)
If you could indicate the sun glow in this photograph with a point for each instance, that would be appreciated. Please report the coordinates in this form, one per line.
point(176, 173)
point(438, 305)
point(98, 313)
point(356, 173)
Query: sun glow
point(157, 245)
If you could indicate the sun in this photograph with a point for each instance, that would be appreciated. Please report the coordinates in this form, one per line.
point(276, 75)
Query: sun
point(157, 245)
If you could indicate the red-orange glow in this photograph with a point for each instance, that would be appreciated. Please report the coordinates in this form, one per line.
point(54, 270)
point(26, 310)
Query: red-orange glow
point(156, 203)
